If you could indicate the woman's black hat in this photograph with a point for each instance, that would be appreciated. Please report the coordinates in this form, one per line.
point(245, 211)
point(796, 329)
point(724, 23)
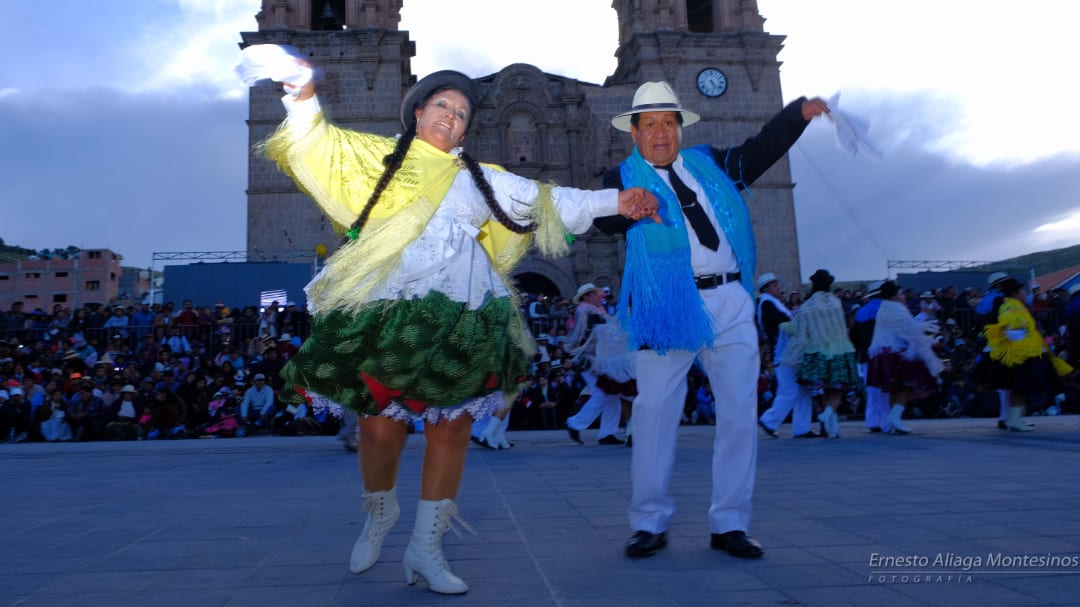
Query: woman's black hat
point(428, 86)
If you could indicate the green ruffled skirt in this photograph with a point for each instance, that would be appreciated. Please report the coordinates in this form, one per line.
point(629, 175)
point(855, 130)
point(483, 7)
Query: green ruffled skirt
point(430, 352)
point(820, 371)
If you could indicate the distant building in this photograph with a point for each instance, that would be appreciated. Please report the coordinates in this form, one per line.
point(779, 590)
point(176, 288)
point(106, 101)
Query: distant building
point(93, 276)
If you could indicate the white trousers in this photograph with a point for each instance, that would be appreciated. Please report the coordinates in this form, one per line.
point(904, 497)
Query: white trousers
point(600, 404)
point(877, 409)
point(791, 397)
point(732, 365)
point(1005, 400)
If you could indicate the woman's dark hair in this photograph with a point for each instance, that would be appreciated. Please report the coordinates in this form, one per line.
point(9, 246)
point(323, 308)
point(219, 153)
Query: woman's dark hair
point(393, 162)
point(1010, 287)
point(889, 289)
point(821, 281)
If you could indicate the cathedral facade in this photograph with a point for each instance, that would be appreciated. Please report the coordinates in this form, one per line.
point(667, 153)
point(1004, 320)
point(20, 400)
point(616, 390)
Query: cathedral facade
point(714, 53)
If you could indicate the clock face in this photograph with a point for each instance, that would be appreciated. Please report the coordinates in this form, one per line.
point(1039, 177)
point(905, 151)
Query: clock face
point(711, 82)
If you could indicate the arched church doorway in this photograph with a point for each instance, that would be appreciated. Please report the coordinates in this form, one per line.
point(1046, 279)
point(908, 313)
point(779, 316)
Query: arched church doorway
point(533, 284)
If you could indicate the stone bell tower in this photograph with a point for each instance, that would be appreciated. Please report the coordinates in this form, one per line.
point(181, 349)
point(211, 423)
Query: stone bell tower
point(544, 126)
point(366, 69)
point(723, 65)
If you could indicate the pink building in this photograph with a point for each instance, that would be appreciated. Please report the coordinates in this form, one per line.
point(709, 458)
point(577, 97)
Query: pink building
point(92, 277)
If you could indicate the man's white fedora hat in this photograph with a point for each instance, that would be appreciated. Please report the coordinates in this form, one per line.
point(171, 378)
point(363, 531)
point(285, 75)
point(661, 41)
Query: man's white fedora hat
point(654, 97)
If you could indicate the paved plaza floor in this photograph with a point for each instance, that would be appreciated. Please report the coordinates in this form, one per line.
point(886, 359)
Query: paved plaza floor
point(976, 516)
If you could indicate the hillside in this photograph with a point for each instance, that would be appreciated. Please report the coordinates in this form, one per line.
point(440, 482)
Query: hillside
point(1043, 262)
point(13, 253)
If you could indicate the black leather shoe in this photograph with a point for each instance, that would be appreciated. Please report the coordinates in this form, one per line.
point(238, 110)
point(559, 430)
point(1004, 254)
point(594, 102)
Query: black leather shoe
point(629, 441)
point(575, 436)
point(644, 544)
point(610, 439)
point(737, 543)
point(875, 430)
point(1001, 425)
point(810, 434)
point(768, 430)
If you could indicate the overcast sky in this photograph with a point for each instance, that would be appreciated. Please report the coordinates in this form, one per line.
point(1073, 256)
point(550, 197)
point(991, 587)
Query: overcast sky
point(123, 125)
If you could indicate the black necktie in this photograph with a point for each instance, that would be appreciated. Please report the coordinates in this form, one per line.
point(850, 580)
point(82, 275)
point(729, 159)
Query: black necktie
point(704, 229)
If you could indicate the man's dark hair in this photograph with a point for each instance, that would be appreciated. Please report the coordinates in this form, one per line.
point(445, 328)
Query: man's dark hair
point(635, 118)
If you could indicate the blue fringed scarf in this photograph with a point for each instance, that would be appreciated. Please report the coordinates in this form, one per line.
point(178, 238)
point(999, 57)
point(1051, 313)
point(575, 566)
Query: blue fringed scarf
point(667, 310)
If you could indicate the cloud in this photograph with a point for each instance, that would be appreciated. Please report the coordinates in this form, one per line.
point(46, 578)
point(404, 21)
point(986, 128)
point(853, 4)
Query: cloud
point(134, 174)
point(921, 202)
point(197, 49)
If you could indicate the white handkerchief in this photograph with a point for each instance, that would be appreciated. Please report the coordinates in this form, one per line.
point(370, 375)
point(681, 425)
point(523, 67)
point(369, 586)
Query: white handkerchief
point(851, 132)
point(260, 62)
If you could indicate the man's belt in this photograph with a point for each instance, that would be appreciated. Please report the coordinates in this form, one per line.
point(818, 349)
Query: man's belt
point(711, 281)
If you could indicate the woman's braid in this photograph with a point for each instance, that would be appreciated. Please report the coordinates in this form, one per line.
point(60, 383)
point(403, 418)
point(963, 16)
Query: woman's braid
point(489, 197)
point(393, 162)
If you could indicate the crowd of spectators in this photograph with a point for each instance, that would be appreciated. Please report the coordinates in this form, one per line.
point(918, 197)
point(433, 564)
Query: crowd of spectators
point(145, 371)
point(554, 389)
point(155, 371)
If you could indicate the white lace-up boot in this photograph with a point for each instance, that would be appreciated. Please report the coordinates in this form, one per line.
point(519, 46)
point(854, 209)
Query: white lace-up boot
point(489, 435)
point(424, 555)
point(500, 434)
point(894, 420)
point(830, 422)
point(382, 512)
point(1014, 421)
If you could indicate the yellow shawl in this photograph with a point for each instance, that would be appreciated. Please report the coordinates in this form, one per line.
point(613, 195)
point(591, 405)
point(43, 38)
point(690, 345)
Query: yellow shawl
point(1014, 315)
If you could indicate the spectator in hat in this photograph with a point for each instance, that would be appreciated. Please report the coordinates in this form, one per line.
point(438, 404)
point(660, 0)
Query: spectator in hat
point(929, 308)
point(122, 427)
point(258, 405)
point(687, 295)
point(544, 349)
point(364, 282)
point(285, 346)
